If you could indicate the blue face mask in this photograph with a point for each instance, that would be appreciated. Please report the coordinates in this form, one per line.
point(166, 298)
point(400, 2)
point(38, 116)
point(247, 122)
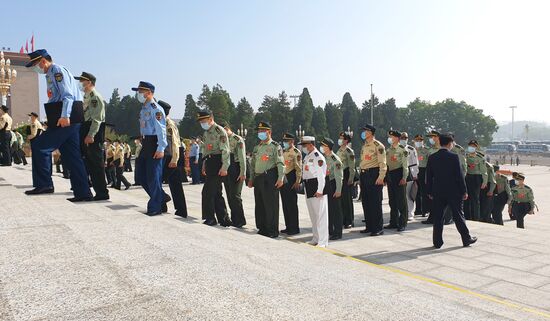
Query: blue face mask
point(471, 149)
point(390, 140)
point(363, 135)
point(262, 135)
point(340, 142)
point(205, 126)
point(286, 145)
point(432, 141)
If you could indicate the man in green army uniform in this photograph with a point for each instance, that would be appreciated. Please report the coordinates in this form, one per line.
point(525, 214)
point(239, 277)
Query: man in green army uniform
point(215, 151)
point(333, 189)
point(236, 176)
point(398, 170)
point(476, 180)
point(267, 171)
point(92, 135)
point(502, 196)
point(347, 156)
point(523, 201)
point(293, 176)
point(422, 200)
point(486, 194)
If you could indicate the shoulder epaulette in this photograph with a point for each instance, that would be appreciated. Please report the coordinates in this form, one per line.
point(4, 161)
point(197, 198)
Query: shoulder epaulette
point(401, 146)
point(91, 93)
point(529, 188)
point(236, 137)
point(349, 149)
point(376, 143)
point(459, 147)
point(153, 105)
point(316, 154)
point(333, 157)
point(296, 149)
point(274, 143)
point(218, 129)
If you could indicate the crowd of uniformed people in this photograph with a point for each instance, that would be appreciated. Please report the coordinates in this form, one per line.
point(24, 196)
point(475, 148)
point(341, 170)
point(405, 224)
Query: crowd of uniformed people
point(326, 172)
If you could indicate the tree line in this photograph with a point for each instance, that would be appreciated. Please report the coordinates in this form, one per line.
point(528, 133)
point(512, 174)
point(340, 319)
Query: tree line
point(418, 117)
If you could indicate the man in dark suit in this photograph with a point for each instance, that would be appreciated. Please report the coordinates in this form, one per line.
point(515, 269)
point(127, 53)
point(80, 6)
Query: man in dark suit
point(446, 187)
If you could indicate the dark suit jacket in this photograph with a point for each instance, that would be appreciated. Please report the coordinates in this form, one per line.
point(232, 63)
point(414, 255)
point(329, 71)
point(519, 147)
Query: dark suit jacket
point(444, 177)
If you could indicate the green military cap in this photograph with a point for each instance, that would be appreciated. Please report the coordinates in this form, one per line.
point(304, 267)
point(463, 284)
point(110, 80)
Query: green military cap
point(370, 128)
point(418, 137)
point(394, 133)
point(5, 108)
point(166, 106)
point(345, 136)
point(327, 142)
point(86, 76)
point(263, 125)
point(473, 142)
point(520, 176)
point(288, 136)
point(433, 133)
point(203, 114)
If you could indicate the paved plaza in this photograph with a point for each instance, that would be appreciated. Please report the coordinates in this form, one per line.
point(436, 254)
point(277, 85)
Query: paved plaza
point(109, 261)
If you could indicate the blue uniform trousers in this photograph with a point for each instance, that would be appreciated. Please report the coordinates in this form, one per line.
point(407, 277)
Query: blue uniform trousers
point(149, 175)
point(67, 140)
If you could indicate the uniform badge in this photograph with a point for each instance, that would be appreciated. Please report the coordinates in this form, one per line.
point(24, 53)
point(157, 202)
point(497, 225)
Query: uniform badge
point(240, 144)
point(338, 166)
point(327, 173)
point(420, 158)
point(521, 195)
point(265, 157)
point(158, 115)
point(50, 94)
point(299, 158)
point(94, 103)
point(58, 77)
point(320, 162)
point(287, 162)
point(368, 157)
point(381, 150)
point(393, 158)
point(306, 168)
point(223, 139)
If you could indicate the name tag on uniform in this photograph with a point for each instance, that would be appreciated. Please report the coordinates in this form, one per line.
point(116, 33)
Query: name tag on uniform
point(310, 160)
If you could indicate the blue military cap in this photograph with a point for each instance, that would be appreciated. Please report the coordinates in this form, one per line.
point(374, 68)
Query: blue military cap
point(144, 85)
point(36, 55)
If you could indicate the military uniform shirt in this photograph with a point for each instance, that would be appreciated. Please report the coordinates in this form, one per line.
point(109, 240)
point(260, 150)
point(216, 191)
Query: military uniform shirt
point(490, 177)
point(476, 166)
point(423, 153)
point(35, 126)
point(194, 153)
point(347, 156)
point(315, 167)
point(373, 154)
point(335, 170)
point(396, 157)
point(118, 154)
point(94, 111)
point(523, 195)
point(502, 186)
point(173, 136)
point(215, 143)
point(153, 122)
point(412, 160)
point(19, 139)
point(110, 151)
point(265, 157)
point(293, 161)
point(62, 87)
point(237, 148)
point(5, 122)
point(138, 149)
point(459, 150)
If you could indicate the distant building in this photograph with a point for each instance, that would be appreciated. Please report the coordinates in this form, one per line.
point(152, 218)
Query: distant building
point(23, 98)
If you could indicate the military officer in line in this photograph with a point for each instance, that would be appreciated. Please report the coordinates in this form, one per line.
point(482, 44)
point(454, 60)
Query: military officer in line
point(171, 172)
point(412, 178)
point(127, 157)
point(153, 129)
point(137, 142)
point(63, 133)
point(347, 156)
point(267, 172)
point(502, 196)
point(36, 127)
point(487, 194)
point(422, 152)
point(92, 135)
point(373, 172)
point(314, 172)
point(293, 176)
point(216, 155)
point(333, 189)
point(5, 137)
point(523, 201)
point(476, 180)
point(110, 170)
point(236, 175)
point(118, 162)
point(398, 170)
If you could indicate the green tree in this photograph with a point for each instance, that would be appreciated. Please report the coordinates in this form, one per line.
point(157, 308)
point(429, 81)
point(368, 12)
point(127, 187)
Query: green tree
point(244, 114)
point(204, 97)
point(319, 123)
point(302, 114)
point(350, 117)
point(333, 116)
point(189, 126)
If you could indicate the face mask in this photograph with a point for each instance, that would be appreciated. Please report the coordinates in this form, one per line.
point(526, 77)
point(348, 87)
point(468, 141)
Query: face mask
point(340, 142)
point(432, 141)
point(81, 86)
point(262, 135)
point(418, 144)
point(322, 149)
point(363, 135)
point(516, 182)
point(36, 68)
point(304, 150)
point(141, 98)
point(403, 142)
point(390, 140)
point(286, 145)
point(205, 126)
point(471, 149)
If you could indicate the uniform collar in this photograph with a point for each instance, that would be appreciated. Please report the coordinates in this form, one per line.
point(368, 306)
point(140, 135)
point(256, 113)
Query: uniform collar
point(267, 142)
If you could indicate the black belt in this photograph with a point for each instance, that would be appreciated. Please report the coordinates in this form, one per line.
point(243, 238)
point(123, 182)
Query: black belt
point(264, 173)
point(212, 156)
point(370, 169)
point(412, 165)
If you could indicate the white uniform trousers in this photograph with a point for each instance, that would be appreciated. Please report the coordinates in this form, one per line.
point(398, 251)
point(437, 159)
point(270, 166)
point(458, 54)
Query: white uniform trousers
point(318, 213)
point(410, 202)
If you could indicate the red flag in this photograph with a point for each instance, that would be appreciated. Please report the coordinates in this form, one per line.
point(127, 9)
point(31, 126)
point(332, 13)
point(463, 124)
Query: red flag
point(32, 42)
point(27, 46)
point(22, 51)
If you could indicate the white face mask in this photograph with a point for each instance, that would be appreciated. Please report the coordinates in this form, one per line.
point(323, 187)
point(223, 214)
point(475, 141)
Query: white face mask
point(141, 97)
point(471, 149)
point(340, 142)
point(322, 149)
point(432, 141)
point(81, 85)
point(403, 142)
point(304, 150)
point(36, 68)
point(205, 126)
point(390, 140)
point(418, 144)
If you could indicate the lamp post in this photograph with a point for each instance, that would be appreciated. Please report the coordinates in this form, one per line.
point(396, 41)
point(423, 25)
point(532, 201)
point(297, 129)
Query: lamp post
point(350, 133)
point(371, 107)
point(242, 131)
point(300, 133)
point(513, 109)
point(7, 78)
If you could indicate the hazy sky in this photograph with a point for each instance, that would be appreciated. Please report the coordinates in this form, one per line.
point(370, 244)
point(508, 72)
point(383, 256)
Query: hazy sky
point(492, 54)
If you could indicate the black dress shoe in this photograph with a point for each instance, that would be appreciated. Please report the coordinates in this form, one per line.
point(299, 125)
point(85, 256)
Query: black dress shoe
point(335, 237)
point(273, 236)
point(80, 199)
point(472, 240)
point(427, 222)
point(364, 231)
point(238, 225)
point(292, 233)
point(164, 208)
point(284, 231)
point(211, 222)
point(261, 233)
point(167, 198)
point(127, 187)
point(389, 226)
point(181, 213)
point(347, 227)
point(438, 246)
point(40, 190)
point(227, 223)
point(401, 229)
point(448, 222)
point(101, 197)
point(153, 213)
point(381, 232)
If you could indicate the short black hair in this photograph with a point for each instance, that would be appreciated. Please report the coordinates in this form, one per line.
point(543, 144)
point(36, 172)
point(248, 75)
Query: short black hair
point(446, 139)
